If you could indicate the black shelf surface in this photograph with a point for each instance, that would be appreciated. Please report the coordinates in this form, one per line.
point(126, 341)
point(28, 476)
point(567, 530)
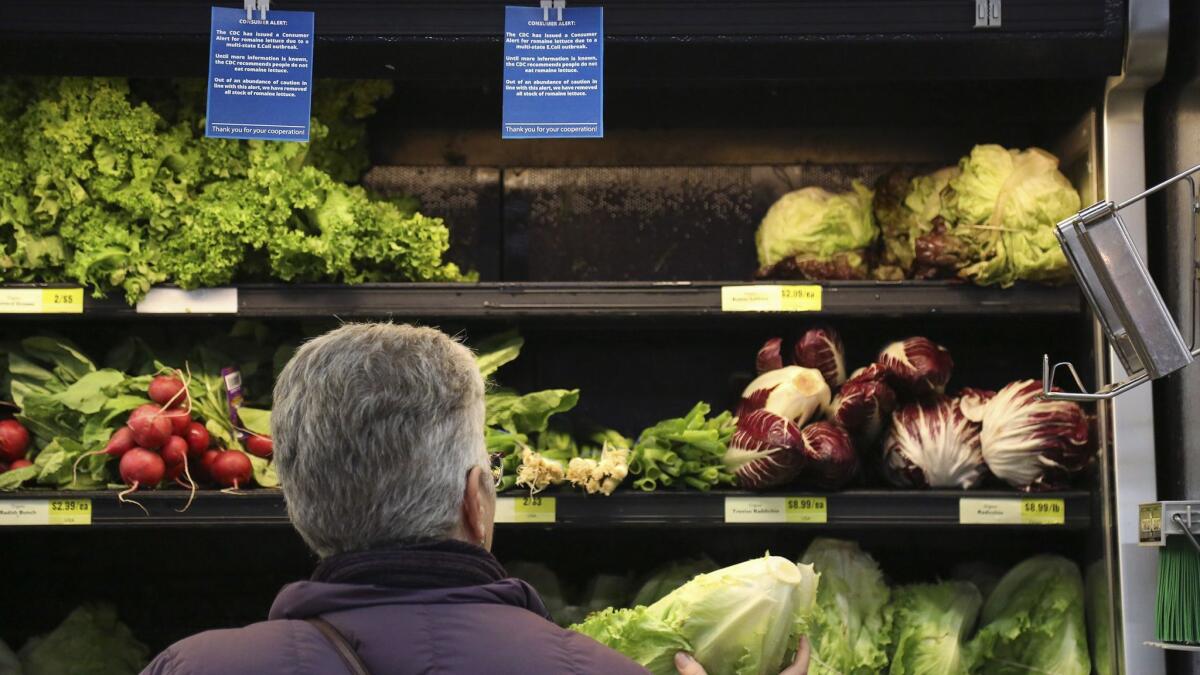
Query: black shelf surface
point(615, 299)
point(849, 509)
point(423, 39)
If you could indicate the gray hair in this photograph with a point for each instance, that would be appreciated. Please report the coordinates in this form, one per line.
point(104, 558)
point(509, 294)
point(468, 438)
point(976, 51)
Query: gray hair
point(376, 426)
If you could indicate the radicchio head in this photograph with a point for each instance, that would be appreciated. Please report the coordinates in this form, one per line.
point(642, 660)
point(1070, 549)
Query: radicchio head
point(932, 444)
point(917, 365)
point(793, 392)
point(863, 404)
point(821, 348)
point(1032, 443)
point(770, 356)
point(766, 450)
point(831, 458)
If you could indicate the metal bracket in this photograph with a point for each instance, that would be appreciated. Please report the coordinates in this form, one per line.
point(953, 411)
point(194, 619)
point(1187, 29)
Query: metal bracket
point(547, 5)
point(261, 5)
point(1121, 324)
point(1158, 520)
point(987, 13)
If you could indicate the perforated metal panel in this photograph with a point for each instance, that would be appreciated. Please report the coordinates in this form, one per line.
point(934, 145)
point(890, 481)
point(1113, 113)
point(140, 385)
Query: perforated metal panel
point(467, 198)
point(649, 223)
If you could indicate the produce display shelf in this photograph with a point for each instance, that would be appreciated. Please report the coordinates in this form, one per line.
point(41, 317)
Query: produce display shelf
point(608, 299)
point(849, 509)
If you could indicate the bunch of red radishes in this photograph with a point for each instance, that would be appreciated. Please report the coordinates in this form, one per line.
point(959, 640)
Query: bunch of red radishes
point(14, 441)
point(161, 441)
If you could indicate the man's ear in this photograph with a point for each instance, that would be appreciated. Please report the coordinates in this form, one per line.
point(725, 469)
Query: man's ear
point(474, 510)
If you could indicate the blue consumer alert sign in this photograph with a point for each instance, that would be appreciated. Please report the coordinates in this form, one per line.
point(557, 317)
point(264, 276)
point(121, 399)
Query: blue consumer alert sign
point(553, 73)
point(260, 75)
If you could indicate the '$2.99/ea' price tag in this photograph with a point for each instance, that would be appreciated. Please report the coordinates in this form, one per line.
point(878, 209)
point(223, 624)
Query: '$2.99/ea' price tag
point(46, 512)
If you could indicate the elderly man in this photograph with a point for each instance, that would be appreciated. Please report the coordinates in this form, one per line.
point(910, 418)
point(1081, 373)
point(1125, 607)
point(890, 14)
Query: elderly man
point(378, 433)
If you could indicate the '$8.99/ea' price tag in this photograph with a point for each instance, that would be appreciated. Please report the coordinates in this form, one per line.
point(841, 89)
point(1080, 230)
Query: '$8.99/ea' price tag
point(806, 510)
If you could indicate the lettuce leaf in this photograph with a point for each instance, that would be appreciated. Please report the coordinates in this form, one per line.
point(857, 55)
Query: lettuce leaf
point(1033, 622)
point(931, 624)
point(850, 629)
point(815, 224)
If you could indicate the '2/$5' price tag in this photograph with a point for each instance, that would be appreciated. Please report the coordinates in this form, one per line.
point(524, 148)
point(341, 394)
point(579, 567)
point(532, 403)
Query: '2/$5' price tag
point(41, 301)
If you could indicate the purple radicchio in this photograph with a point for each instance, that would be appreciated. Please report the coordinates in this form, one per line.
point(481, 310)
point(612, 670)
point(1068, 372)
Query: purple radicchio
point(972, 402)
point(831, 458)
point(821, 348)
point(863, 404)
point(917, 366)
point(792, 392)
point(932, 444)
point(766, 450)
point(770, 356)
point(1032, 443)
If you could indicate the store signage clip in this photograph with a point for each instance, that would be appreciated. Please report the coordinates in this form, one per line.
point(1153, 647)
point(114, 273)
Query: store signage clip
point(547, 5)
point(261, 5)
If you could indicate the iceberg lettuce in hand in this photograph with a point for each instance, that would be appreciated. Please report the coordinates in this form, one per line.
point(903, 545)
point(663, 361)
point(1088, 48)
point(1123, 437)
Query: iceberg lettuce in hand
point(739, 620)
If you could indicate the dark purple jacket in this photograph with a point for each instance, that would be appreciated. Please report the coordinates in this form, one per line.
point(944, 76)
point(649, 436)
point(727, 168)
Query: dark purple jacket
point(401, 625)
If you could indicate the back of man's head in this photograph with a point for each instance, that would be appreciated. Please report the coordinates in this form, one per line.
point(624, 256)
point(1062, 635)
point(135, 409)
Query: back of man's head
point(375, 428)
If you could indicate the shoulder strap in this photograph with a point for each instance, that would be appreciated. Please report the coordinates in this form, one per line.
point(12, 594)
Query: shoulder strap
point(341, 645)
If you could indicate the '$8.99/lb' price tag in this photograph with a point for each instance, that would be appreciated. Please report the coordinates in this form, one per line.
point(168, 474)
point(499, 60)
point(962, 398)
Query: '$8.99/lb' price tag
point(1042, 512)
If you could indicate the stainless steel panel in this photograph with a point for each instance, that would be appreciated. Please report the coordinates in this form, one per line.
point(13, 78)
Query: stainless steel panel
point(1131, 416)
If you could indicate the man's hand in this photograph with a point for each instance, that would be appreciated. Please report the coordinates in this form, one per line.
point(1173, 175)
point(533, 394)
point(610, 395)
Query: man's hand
point(686, 665)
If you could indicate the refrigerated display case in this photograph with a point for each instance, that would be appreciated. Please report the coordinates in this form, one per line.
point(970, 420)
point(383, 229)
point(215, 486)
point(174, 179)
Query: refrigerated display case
point(610, 257)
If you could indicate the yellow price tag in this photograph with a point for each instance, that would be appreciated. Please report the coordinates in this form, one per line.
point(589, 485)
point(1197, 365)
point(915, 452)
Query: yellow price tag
point(62, 301)
point(806, 510)
point(70, 512)
point(1038, 511)
point(526, 509)
point(46, 512)
point(41, 301)
point(771, 298)
point(535, 509)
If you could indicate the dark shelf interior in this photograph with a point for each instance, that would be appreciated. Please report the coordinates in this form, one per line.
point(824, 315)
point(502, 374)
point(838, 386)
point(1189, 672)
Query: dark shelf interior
point(823, 39)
